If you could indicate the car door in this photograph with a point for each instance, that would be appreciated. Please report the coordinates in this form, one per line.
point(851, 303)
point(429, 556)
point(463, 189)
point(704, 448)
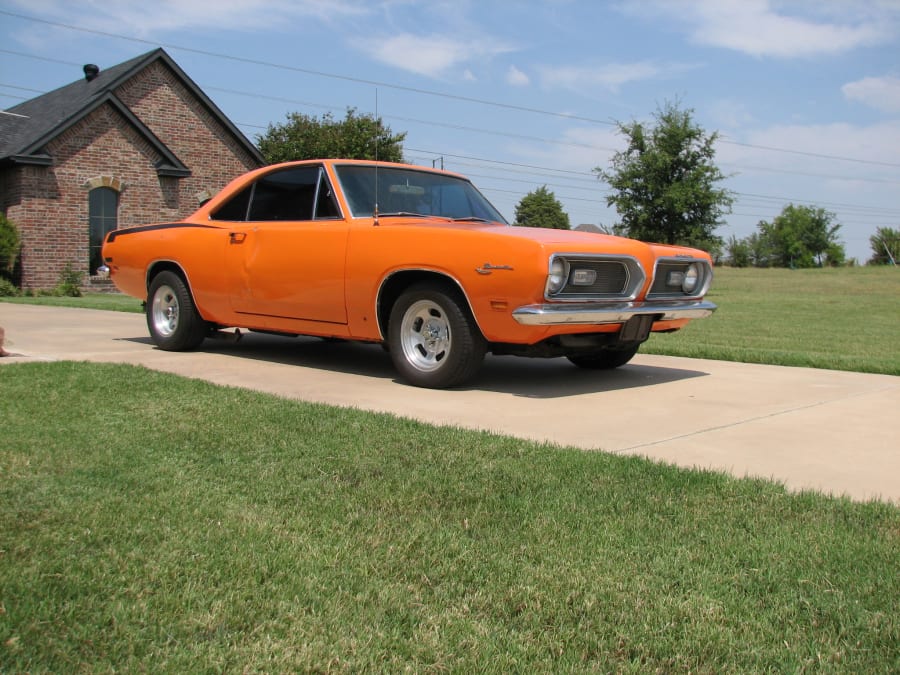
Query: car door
point(286, 257)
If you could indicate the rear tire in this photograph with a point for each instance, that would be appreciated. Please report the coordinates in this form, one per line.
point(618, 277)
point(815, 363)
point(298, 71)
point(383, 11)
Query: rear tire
point(606, 359)
point(433, 339)
point(173, 320)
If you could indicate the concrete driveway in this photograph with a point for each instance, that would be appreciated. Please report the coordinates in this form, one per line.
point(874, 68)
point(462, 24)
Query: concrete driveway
point(810, 429)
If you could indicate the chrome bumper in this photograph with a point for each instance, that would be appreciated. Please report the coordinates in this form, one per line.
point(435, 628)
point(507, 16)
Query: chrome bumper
point(596, 313)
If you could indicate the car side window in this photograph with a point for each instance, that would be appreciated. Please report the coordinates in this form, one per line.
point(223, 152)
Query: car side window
point(326, 204)
point(236, 207)
point(297, 193)
point(285, 195)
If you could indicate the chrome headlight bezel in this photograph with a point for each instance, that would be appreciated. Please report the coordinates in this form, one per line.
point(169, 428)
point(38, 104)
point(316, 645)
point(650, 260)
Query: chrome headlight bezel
point(691, 280)
point(557, 276)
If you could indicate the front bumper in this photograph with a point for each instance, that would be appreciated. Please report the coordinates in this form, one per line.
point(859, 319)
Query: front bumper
point(596, 313)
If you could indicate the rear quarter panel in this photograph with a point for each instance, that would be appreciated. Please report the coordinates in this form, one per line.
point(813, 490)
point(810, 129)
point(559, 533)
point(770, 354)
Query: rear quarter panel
point(197, 249)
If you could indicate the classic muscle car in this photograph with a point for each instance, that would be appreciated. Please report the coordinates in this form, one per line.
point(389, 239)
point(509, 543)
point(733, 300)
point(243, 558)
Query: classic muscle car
point(414, 258)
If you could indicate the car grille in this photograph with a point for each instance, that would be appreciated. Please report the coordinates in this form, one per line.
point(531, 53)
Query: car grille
point(611, 281)
point(662, 273)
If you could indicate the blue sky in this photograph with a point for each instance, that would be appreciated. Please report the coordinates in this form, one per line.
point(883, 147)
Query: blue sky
point(517, 94)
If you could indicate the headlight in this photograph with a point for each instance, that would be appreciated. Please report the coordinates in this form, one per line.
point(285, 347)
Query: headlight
point(692, 277)
point(559, 273)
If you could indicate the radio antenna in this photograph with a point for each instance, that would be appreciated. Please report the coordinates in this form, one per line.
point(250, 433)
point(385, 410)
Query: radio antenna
point(375, 210)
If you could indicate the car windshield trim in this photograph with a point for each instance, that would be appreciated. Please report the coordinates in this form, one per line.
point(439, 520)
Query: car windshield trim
point(414, 193)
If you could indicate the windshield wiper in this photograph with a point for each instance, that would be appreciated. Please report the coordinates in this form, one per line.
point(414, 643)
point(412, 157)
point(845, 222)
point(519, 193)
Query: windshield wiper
point(411, 214)
point(471, 219)
point(405, 214)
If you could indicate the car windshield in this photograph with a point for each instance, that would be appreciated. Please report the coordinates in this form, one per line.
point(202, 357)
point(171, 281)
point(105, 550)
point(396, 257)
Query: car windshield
point(409, 192)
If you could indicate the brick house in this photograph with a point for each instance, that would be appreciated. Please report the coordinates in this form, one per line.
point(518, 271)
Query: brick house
point(135, 143)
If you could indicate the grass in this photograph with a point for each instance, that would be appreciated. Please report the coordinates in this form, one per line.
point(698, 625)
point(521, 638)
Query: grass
point(842, 319)
point(150, 522)
point(110, 301)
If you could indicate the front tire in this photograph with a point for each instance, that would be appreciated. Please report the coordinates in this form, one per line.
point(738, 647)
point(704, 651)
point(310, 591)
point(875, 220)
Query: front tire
point(173, 320)
point(434, 342)
point(606, 359)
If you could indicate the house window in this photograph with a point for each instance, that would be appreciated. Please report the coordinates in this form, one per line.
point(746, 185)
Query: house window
point(103, 205)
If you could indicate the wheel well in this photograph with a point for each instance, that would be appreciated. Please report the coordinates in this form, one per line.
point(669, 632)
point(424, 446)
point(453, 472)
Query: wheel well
point(166, 266)
point(175, 268)
point(397, 283)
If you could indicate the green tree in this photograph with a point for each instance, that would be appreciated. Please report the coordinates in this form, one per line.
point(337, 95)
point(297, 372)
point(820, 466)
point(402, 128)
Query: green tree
point(760, 250)
point(9, 246)
point(738, 252)
point(885, 246)
point(355, 137)
point(541, 208)
point(664, 184)
point(803, 236)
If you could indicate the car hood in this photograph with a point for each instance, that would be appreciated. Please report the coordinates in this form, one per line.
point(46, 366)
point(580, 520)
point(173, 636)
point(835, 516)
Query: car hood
point(574, 240)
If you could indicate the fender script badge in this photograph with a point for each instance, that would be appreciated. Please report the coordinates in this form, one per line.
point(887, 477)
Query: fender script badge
point(487, 268)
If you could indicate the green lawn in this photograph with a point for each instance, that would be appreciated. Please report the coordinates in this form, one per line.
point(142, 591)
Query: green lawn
point(112, 301)
point(154, 523)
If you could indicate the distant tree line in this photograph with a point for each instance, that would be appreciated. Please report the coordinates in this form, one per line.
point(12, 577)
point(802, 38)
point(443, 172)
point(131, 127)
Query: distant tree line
point(805, 236)
point(801, 236)
point(885, 246)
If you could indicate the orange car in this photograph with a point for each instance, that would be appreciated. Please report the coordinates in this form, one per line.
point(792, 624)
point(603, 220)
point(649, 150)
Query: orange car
point(410, 257)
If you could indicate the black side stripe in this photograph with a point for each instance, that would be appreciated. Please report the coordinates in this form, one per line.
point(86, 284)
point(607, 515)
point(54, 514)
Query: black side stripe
point(161, 226)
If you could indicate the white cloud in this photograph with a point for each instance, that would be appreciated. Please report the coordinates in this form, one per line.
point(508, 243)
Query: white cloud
point(430, 55)
point(516, 77)
point(730, 114)
point(872, 144)
point(881, 93)
point(757, 28)
point(610, 76)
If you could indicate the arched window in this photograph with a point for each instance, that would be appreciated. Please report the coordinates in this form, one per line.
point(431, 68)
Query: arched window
point(103, 206)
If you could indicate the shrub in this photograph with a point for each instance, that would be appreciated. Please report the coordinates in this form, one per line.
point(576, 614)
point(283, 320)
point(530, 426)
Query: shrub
point(8, 289)
point(9, 246)
point(69, 282)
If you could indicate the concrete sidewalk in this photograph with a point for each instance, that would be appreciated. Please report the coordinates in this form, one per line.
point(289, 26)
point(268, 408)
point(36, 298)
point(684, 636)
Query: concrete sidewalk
point(810, 429)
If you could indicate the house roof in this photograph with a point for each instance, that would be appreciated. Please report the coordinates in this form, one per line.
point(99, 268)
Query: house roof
point(34, 123)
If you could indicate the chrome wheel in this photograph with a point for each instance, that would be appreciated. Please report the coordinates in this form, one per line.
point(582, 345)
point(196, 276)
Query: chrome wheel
point(434, 341)
point(173, 320)
point(425, 336)
point(164, 311)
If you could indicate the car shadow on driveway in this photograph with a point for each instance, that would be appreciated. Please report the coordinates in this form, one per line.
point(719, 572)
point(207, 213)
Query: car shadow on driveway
point(525, 377)
point(556, 378)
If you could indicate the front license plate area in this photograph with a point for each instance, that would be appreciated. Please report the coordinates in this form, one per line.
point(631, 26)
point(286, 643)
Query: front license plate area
point(637, 328)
